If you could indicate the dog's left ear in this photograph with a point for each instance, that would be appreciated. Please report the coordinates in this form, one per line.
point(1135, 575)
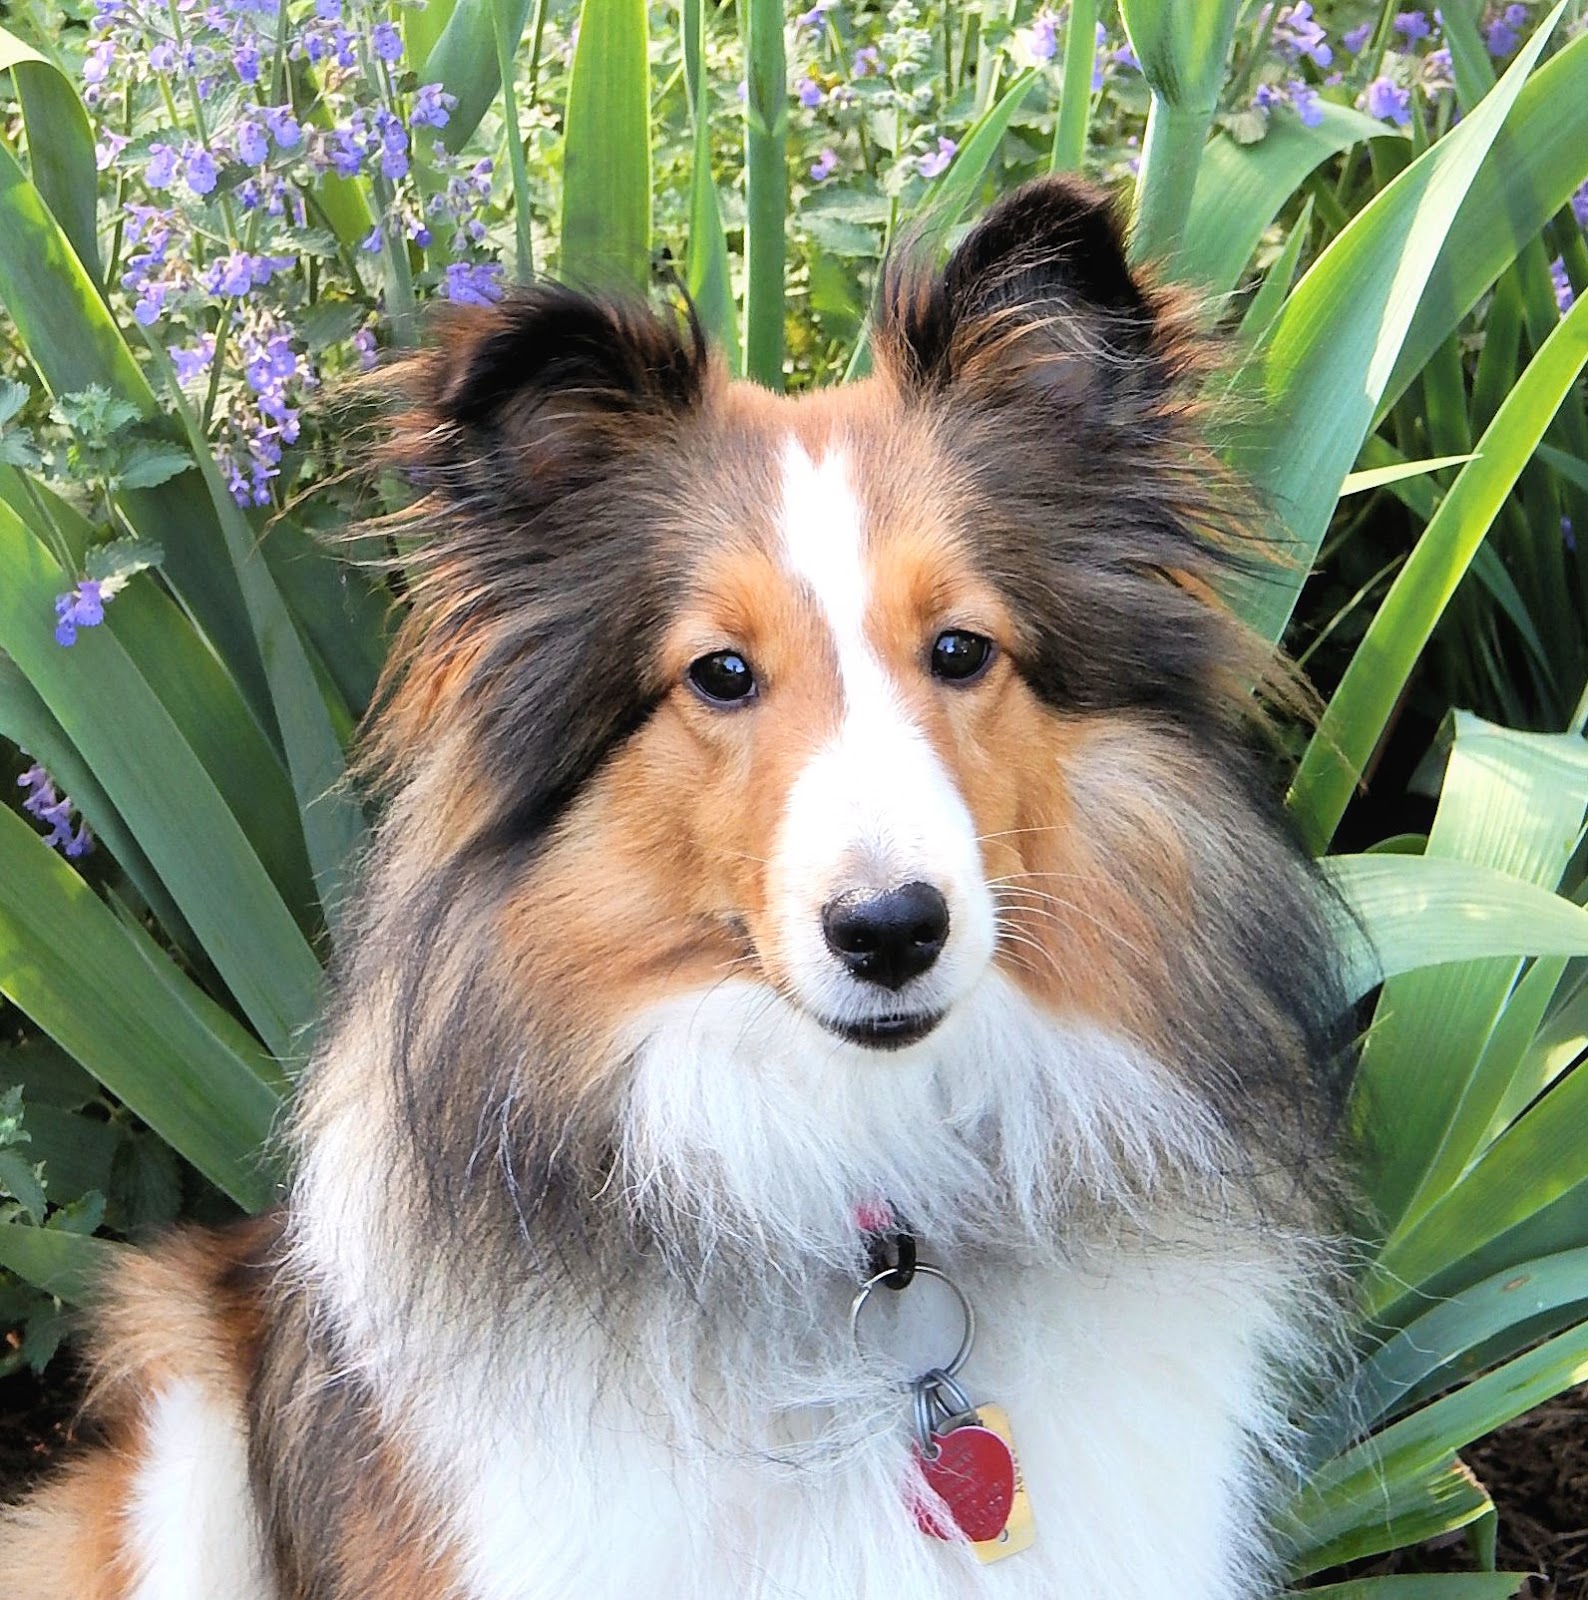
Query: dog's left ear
point(1038, 303)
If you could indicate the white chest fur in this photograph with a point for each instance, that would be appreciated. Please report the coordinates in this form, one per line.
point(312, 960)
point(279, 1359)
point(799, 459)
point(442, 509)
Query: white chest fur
point(1136, 1390)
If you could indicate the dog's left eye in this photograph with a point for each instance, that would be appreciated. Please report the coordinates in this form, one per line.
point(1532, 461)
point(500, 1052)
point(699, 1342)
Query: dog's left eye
point(723, 678)
point(959, 656)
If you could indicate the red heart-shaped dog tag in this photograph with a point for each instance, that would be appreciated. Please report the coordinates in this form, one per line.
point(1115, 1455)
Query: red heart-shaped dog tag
point(973, 1473)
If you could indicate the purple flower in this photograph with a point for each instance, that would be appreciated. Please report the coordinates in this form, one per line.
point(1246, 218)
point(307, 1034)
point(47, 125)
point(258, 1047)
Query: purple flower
point(1500, 37)
point(283, 126)
point(809, 92)
point(1384, 99)
point(160, 173)
point(1579, 206)
point(867, 63)
point(1267, 97)
point(81, 607)
point(1412, 26)
point(1564, 294)
point(933, 165)
point(1043, 39)
point(388, 41)
point(199, 169)
point(471, 284)
point(1516, 16)
point(1297, 34)
point(432, 107)
point(824, 166)
point(96, 64)
point(1124, 56)
point(814, 18)
point(1439, 70)
point(229, 275)
point(245, 59)
point(1304, 99)
point(328, 10)
point(108, 150)
point(1355, 38)
point(1098, 57)
point(192, 361)
point(162, 58)
point(55, 811)
point(150, 303)
point(253, 145)
point(364, 343)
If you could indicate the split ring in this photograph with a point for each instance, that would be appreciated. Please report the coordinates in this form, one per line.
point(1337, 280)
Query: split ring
point(967, 1311)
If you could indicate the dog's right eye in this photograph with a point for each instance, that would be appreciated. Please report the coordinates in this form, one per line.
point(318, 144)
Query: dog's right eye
point(723, 678)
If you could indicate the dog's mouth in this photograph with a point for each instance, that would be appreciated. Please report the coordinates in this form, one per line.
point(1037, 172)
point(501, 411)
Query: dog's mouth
point(891, 1032)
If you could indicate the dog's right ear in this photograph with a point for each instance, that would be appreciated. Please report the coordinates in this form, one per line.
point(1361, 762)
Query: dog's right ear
point(542, 382)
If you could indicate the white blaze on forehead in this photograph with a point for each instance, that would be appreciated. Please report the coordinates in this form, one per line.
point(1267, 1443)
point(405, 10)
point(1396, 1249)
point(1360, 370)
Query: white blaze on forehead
point(824, 543)
point(874, 808)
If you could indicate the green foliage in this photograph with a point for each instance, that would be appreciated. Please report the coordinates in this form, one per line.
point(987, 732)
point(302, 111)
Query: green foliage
point(1405, 390)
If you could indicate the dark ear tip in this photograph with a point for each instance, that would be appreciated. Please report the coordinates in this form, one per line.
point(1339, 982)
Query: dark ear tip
point(543, 337)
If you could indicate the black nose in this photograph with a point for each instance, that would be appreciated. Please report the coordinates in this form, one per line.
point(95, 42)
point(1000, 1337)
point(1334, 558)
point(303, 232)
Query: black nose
point(887, 938)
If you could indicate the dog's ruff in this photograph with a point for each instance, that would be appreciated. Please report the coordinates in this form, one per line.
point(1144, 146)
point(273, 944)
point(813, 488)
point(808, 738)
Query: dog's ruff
point(559, 1302)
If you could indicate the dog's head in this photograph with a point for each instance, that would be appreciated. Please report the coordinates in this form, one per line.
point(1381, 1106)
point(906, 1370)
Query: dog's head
point(806, 800)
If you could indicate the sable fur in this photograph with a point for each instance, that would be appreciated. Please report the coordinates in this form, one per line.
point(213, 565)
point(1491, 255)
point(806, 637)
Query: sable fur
point(541, 1206)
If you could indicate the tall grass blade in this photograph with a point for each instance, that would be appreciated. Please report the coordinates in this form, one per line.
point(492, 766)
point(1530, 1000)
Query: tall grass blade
point(606, 183)
point(154, 1040)
point(60, 146)
point(1183, 50)
point(1351, 725)
point(766, 190)
point(1337, 339)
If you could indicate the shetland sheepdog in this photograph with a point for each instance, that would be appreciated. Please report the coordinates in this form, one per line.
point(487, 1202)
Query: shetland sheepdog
point(831, 995)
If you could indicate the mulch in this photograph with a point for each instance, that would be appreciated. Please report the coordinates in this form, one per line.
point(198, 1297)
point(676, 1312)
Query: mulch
point(1536, 1468)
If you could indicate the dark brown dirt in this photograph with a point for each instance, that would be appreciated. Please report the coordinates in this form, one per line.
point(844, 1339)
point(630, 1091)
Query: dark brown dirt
point(36, 1416)
point(1536, 1468)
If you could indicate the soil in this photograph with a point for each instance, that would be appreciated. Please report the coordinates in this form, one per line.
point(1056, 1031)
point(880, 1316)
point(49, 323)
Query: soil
point(1536, 1468)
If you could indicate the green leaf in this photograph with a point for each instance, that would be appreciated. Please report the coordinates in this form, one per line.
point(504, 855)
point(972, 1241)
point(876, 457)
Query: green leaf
point(1515, 802)
point(333, 824)
point(114, 565)
point(1424, 1441)
point(1441, 1586)
point(73, 344)
point(202, 699)
point(152, 777)
point(146, 465)
point(1395, 1509)
point(1351, 725)
point(19, 1179)
point(60, 146)
point(606, 184)
point(1240, 188)
point(1437, 1340)
point(1336, 341)
point(1417, 911)
point(706, 267)
point(1075, 91)
point(13, 396)
point(152, 1038)
point(464, 63)
point(64, 1264)
point(766, 190)
point(1378, 477)
point(1535, 1162)
point(1535, 164)
point(1182, 50)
